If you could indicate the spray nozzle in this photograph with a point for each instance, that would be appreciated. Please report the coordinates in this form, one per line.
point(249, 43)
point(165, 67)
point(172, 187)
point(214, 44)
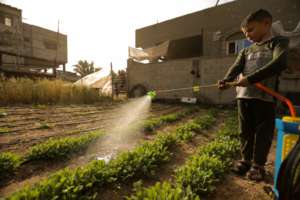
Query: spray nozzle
point(151, 94)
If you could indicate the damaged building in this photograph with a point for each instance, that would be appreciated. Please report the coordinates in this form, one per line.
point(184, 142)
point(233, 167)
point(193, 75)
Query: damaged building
point(27, 49)
point(198, 48)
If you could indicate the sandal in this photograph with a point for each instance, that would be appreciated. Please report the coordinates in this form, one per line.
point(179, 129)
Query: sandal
point(256, 173)
point(241, 167)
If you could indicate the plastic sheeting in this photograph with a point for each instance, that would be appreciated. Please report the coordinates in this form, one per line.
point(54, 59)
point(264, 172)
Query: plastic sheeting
point(151, 54)
point(294, 46)
point(294, 36)
point(98, 80)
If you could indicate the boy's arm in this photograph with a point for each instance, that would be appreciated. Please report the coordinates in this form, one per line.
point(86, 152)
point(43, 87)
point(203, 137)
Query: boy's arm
point(236, 68)
point(276, 65)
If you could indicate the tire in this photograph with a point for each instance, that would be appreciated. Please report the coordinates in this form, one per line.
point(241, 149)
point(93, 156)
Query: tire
point(138, 91)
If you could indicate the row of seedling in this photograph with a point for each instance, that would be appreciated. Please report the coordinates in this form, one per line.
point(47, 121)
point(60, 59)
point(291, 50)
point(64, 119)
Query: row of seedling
point(83, 182)
point(151, 124)
point(49, 150)
point(201, 172)
point(62, 148)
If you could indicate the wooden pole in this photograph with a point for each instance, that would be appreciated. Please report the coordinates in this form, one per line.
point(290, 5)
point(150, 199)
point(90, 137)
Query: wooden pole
point(56, 53)
point(0, 60)
point(112, 80)
point(54, 71)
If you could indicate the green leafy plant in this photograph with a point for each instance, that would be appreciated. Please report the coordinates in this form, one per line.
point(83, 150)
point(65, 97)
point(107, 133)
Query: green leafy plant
point(187, 131)
point(8, 163)
point(203, 170)
point(152, 124)
point(162, 191)
point(222, 148)
point(76, 184)
point(60, 148)
point(144, 159)
point(80, 183)
point(200, 173)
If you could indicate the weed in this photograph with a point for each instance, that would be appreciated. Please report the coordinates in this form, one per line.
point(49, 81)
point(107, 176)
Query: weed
point(4, 130)
point(44, 125)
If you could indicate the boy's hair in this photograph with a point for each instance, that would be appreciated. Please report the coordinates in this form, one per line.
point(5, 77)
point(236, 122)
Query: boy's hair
point(257, 16)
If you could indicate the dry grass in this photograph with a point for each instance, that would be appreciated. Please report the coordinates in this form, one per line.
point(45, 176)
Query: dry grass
point(44, 91)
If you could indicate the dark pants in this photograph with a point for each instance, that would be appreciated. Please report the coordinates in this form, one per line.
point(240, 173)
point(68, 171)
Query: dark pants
point(256, 126)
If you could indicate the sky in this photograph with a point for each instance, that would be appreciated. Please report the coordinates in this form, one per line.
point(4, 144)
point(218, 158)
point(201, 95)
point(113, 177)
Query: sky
point(99, 30)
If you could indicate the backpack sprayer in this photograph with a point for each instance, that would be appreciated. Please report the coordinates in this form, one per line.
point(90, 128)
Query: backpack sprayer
point(288, 128)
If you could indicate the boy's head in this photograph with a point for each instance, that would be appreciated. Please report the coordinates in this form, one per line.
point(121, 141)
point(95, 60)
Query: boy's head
point(257, 25)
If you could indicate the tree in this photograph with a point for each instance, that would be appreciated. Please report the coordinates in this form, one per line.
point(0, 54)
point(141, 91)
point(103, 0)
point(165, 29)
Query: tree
point(83, 67)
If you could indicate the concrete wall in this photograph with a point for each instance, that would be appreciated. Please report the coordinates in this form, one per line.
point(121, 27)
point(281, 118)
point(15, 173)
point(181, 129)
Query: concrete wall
point(225, 18)
point(289, 84)
point(213, 70)
point(11, 36)
point(44, 44)
point(177, 74)
point(27, 46)
point(163, 76)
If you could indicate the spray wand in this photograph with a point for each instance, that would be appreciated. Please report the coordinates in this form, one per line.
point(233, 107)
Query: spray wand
point(153, 93)
point(260, 86)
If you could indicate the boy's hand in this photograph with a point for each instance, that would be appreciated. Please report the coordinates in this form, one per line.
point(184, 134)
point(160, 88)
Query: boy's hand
point(243, 82)
point(222, 85)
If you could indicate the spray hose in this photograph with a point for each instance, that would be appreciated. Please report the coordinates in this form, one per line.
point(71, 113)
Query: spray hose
point(260, 86)
point(279, 97)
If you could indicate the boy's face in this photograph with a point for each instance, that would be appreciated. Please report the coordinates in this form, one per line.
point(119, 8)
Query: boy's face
point(255, 31)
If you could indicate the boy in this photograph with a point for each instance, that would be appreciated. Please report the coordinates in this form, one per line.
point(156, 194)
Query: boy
point(261, 62)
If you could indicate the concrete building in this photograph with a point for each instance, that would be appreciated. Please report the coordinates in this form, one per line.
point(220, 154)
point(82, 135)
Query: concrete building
point(202, 46)
point(28, 49)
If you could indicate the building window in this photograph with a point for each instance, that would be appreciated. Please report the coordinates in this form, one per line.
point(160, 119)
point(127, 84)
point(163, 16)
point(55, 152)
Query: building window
point(8, 21)
point(235, 46)
point(231, 48)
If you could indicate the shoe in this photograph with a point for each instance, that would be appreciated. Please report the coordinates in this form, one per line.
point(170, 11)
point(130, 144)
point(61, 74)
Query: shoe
point(241, 167)
point(256, 173)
